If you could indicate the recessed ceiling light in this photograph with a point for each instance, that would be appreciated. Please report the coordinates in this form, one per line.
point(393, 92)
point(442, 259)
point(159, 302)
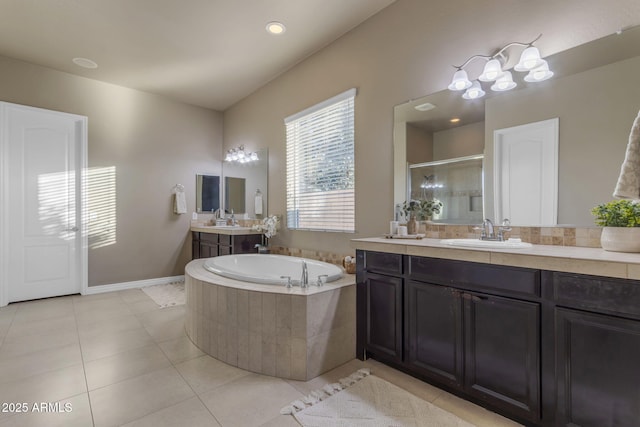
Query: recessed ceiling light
point(455, 120)
point(275, 27)
point(85, 63)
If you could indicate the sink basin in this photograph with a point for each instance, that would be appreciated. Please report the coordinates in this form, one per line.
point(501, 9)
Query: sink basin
point(489, 244)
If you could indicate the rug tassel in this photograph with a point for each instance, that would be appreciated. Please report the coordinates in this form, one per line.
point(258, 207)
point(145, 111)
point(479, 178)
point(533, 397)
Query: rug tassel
point(323, 393)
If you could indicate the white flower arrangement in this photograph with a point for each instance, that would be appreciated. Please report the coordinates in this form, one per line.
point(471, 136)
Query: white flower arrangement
point(269, 226)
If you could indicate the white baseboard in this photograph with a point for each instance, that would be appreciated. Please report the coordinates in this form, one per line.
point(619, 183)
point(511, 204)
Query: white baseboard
point(131, 285)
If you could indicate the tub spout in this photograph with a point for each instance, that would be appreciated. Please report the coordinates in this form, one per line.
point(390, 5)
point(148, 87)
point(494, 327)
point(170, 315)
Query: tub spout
point(304, 279)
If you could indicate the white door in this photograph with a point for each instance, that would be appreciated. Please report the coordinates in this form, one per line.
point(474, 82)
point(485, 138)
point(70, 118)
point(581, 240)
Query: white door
point(526, 173)
point(42, 232)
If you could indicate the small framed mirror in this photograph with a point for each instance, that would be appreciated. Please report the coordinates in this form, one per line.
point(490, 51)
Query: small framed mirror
point(207, 193)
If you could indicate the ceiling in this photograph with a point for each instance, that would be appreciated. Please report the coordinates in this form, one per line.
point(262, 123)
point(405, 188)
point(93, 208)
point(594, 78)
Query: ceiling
point(210, 53)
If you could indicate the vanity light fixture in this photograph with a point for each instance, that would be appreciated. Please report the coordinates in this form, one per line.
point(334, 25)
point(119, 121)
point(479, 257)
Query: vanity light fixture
point(240, 156)
point(530, 62)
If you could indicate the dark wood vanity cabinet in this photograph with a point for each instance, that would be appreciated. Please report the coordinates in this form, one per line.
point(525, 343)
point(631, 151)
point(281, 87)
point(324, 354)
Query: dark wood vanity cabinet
point(544, 348)
point(597, 326)
point(207, 245)
point(484, 345)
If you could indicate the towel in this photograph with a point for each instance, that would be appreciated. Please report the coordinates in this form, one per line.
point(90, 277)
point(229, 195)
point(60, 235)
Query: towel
point(628, 186)
point(258, 202)
point(180, 203)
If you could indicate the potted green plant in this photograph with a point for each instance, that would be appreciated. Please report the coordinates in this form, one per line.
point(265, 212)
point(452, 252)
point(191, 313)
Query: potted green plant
point(620, 220)
point(419, 210)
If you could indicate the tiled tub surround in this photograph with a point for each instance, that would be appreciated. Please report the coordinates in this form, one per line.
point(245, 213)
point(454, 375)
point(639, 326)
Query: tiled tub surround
point(594, 261)
point(288, 333)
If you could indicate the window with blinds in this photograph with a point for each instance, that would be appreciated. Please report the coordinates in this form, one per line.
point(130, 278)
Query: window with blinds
point(320, 166)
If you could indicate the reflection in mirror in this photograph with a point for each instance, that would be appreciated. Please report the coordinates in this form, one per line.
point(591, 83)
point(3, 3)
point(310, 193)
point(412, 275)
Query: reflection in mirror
point(234, 195)
point(456, 183)
point(207, 193)
point(590, 94)
point(255, 177)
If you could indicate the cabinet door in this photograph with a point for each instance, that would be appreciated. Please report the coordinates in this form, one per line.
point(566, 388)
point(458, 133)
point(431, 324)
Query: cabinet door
point(433, 331)
point(246, 244)
point(208, 250)
point(598, 370)
point(503, 353)
point(384, 316)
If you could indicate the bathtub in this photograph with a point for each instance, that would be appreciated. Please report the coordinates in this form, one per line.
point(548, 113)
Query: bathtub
point(269, 269)
point(294, 333)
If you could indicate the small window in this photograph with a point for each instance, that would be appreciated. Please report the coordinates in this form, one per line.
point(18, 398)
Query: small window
point(320, 166)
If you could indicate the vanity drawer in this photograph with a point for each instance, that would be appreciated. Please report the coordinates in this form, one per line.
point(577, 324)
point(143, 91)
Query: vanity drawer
point(515, 281)
point(600, 294)
point(381, 262)
point(209, 237)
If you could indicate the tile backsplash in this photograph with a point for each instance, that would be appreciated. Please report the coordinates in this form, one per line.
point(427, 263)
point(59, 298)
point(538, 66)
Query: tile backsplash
point(588, 237)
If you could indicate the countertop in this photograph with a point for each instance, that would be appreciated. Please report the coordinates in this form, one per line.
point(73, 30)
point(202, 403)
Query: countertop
point(224, 230)
point(571, 259)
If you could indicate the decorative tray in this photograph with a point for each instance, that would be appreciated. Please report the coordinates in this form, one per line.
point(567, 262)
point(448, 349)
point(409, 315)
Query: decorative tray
point(407, 236)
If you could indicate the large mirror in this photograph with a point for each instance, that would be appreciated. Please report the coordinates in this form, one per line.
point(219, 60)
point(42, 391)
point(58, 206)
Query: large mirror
point(594, 95)
point(246, 186)
point(234, 194)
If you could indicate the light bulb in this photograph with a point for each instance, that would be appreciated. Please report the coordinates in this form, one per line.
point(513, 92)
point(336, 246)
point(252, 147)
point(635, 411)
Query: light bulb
point(460, 81)
point(529, 59)
point(505, 82)
point(474, 92)
point(492, 70)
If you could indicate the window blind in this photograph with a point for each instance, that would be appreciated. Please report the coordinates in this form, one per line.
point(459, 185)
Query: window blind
point(320, 166)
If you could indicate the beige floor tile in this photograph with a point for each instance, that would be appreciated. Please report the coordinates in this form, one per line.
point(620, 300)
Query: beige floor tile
point(135, 398)
point(101, 295)
point(413, 385)
point(206, 373)
point(47, 387)
point(31, 364)
point(143, 306)
point(180, 350)
point(125, 365)
point(35, 342)
point(191, 413)
point(43, 309)
point(250, 400)
point(111, 302)
point(282, 421)
point(74, 412)
point(99, 346)
point(54, 324)
point(164, 325)
point(102, 327)
point(103, 313)
point(471, 412)
point(133, 295)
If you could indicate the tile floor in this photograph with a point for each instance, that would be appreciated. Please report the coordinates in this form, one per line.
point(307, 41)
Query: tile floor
point(116, 359)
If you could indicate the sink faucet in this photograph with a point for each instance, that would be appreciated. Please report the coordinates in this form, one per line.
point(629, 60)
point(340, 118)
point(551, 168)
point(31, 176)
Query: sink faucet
point(488, 232)
point(233, 218)
point(304, 279)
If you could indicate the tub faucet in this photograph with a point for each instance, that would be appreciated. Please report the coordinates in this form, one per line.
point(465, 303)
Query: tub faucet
point(304, 279)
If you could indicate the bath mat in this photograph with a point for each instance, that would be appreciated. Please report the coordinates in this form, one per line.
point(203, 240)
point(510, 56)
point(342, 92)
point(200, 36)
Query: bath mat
point(365, 400)
point(168, 295)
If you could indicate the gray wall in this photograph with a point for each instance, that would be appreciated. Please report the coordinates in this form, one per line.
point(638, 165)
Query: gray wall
point(404, 52)
point(152, 142)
